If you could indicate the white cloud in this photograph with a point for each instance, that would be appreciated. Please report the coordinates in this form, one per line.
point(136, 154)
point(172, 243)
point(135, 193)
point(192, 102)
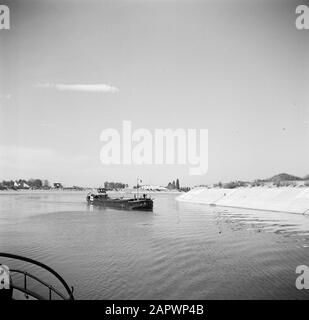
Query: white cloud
point(99, 87)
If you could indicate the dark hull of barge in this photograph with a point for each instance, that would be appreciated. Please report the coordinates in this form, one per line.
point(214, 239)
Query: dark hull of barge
point(126, 204)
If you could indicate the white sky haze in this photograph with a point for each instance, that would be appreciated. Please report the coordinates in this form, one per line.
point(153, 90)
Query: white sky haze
point(70, 69)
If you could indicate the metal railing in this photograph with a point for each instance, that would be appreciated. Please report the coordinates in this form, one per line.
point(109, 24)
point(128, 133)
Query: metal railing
point(27, 275)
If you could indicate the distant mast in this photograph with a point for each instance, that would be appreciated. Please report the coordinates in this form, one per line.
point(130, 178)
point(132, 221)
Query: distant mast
point(137, 184)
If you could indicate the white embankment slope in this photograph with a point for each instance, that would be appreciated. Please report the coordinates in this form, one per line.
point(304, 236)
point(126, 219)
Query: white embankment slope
point(285, 199)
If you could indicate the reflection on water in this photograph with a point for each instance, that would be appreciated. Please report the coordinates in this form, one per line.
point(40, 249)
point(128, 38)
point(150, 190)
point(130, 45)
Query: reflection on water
point(277, 222)
point(178, 251)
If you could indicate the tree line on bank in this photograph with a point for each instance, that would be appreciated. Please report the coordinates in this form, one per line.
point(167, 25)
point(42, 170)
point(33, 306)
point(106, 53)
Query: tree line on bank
point(25, 184)
point(175, 185)
point(278, 180)
point(44, 184)
point(115, 185)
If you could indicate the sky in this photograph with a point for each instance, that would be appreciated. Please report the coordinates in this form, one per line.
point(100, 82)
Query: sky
point(70, 69)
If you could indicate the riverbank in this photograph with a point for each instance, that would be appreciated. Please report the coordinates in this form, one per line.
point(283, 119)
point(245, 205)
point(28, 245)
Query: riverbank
point(284, 199)
point(55, 191)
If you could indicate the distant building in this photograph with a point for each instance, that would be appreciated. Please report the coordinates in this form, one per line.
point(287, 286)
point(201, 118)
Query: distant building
point(21, 185)
point(58, 185)
point(153, 188)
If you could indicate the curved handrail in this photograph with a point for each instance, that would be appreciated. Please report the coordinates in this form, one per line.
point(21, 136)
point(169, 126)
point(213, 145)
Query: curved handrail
point(51, 288)
point(43, 266)
point(28, 292)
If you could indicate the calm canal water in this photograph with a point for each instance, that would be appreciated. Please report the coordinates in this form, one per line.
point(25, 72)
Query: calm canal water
point(178, 251)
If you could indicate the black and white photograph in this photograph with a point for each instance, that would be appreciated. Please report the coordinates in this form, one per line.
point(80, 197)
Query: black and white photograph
point(154, 150)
